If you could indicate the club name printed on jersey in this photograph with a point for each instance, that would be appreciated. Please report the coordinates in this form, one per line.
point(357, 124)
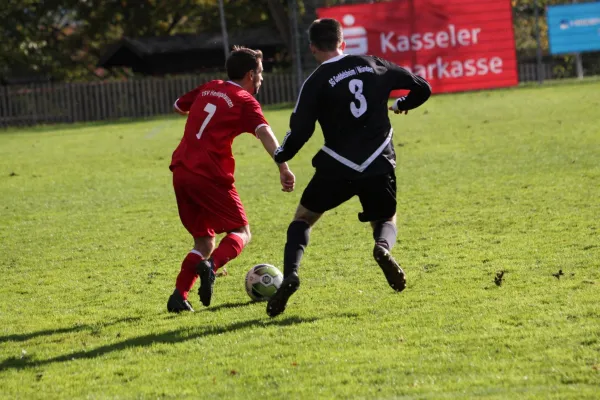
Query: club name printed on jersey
point(350, 72)
point(221, 95)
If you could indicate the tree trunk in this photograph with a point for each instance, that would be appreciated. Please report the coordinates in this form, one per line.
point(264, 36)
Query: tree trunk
point(282, 21)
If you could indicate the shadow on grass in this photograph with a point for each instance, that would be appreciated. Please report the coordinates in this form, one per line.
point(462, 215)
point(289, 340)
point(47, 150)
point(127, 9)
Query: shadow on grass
point(176, 336)
point(23, 337)
point(230, 305)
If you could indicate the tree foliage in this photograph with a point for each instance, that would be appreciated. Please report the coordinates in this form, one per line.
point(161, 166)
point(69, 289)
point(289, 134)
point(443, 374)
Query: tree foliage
point(525, 25)
point(63, 39)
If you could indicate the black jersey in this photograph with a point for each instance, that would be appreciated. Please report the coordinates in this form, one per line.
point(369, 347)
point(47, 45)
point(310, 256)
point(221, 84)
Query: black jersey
point(349, 96)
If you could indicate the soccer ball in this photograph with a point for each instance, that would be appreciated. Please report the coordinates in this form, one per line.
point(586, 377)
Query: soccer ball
point(262, 281)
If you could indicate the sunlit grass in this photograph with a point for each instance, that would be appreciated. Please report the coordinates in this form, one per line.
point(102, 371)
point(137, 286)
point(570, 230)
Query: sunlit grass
point(505, 181)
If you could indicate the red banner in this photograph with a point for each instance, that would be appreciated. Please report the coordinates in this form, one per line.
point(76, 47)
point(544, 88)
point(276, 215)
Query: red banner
point(457, 45)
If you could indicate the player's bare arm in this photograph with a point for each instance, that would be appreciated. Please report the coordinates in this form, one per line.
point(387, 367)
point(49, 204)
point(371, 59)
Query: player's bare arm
point(270, 143)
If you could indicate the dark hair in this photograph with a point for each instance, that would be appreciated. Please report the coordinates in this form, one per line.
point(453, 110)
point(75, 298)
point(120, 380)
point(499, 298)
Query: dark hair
point(325, 34)
point(241, 60)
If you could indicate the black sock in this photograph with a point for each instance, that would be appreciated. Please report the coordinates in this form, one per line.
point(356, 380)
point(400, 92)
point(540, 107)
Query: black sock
point(384, 234)
point(297, 239)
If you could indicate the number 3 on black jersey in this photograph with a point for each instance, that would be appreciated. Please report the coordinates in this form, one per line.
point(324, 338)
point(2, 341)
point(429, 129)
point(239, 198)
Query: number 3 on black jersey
point(356, 88)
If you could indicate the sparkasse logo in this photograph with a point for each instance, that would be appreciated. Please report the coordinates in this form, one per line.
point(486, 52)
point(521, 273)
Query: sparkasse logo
point(355, 37)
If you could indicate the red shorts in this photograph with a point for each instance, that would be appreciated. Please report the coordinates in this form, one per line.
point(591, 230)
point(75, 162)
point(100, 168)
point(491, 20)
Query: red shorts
point(205, 207)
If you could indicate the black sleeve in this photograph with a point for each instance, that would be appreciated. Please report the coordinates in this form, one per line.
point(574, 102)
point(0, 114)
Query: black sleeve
point(302, 122)
point(401, 79)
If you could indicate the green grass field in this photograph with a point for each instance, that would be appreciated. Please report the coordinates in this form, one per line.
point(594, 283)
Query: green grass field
point(91, 243)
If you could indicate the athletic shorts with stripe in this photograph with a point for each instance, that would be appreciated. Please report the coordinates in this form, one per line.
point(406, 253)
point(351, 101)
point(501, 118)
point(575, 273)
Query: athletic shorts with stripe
point(377, 195)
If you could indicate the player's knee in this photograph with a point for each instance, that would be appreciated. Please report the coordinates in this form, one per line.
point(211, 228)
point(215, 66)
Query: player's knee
point(244, 233)
point(390, 220)
point(247, 234)
point(306, 216)
point(205, 245)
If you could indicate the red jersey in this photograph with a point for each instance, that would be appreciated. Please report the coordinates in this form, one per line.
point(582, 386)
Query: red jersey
point(218, 112)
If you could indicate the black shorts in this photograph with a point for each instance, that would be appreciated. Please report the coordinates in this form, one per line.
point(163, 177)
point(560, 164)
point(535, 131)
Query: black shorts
point(377, 194)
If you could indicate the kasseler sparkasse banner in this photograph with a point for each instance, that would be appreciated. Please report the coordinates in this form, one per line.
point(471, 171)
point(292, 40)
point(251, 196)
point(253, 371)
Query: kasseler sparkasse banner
point(457, 45)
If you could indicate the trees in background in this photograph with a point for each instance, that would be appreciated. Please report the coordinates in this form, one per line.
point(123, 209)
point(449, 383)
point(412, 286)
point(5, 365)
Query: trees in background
point(526, 41)
point(63, 39)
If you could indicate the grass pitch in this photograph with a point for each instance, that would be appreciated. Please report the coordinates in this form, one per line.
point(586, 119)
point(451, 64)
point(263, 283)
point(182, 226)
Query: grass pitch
point(499, 220)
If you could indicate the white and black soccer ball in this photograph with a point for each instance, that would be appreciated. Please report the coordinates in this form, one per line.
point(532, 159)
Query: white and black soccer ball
point(262, 281)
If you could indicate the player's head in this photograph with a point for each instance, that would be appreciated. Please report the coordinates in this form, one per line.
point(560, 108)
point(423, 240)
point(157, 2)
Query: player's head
point(325, 37)
point(244, 66)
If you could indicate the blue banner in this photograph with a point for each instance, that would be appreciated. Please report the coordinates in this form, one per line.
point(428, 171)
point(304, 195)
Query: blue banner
point(574, 28)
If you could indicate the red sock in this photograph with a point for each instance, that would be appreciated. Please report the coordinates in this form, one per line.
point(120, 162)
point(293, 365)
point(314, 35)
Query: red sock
point(188, 275)
point(229, 248)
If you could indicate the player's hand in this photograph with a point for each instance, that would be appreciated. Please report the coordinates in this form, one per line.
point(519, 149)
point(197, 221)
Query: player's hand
point(288, 180)
point(398, 111)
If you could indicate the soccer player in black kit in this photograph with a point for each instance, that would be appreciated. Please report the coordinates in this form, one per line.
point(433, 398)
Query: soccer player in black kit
point(348, 95)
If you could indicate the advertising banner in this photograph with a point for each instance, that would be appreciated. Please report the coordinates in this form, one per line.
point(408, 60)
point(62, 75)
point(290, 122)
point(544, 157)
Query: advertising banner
point(457, 45)
point(574, 28)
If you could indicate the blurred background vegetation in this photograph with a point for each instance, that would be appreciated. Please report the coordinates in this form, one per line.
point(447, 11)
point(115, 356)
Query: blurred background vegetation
point(62, 40)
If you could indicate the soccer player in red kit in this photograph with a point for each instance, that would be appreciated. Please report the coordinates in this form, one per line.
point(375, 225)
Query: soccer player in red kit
point(203, 168)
